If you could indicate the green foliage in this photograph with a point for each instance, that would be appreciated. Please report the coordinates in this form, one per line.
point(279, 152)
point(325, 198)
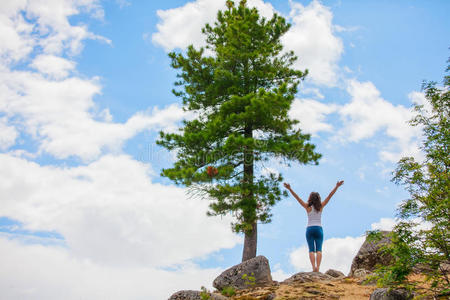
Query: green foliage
point(239, 88)
point(250, 280)
point(421, 239)
point(205, 294)
point(228, 291)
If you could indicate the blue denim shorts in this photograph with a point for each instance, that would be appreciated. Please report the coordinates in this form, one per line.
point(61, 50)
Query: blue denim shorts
point(314, 237)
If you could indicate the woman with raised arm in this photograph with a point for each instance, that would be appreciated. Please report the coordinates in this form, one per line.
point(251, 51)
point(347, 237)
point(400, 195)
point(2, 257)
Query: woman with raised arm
point(314, 231)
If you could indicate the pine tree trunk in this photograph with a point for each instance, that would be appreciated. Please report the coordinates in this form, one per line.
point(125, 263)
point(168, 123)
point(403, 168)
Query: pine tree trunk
point(250, 243)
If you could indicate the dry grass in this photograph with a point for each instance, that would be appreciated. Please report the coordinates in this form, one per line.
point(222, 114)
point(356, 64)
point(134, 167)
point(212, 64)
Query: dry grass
point(347, 288)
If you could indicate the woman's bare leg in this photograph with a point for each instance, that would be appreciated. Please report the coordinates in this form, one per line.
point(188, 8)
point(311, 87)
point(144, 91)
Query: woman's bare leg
point(319, 259)
point(312, 258)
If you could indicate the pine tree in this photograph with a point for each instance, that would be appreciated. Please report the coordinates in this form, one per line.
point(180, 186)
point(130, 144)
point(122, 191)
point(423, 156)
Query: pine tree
point(240, 95)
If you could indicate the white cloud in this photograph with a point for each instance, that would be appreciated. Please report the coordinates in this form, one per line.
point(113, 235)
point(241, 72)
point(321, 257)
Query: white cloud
point(338, 254)
point(312, 114)
point(182, 26)
point(16, 42)
point(123, 3)
point(384, 224)
point(56, 110)
point(278, 274)
point(53, 273)
point(8, 134)
point(110, 212)
point(388, 224)
point(54, 66)
point(60, 115)
point(368, 113)
point(312, 39)
point(313, 91)
point(311, 36)
point(49, 29)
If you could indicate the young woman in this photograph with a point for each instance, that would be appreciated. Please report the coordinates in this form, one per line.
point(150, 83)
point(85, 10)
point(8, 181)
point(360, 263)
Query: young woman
point(314, 232)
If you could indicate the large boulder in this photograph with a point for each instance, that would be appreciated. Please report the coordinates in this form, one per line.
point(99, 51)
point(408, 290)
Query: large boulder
point(253, 272)
point(194, 295)
point(302, 277)
point(368, 256)
point(386, 294)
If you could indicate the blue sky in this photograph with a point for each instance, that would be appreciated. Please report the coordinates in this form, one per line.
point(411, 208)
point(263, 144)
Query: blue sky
point(86, 86)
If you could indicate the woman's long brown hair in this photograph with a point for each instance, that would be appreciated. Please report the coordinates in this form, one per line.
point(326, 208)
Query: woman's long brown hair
point(314, 200)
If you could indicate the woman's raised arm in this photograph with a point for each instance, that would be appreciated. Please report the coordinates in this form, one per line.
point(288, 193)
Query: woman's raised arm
point(338, 184)
point(302, 203)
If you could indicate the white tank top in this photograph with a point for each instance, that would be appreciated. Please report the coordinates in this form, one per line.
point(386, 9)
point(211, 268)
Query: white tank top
point(314, 217)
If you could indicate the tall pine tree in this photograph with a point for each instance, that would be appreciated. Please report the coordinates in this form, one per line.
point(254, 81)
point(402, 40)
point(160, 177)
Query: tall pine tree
point(240, 95)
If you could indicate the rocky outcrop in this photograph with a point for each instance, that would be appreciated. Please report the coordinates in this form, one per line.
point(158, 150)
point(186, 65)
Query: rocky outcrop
point(335, 273)
point(368, 256)
point(302, 277)
point(386, 294)
point(194, 295)
point(253, 272)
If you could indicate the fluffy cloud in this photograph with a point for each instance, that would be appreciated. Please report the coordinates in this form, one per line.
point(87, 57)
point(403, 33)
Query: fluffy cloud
point(384, 224)
point(57, 110)
point(54, 66)
point(311, 36)
point(312, 114)
point(60, 115)
point(8, 134)
point(49, 29)
point(119, 232)
point(312, 39)
point(338, 254)
point(389, 223)
point(182, 26)
point(278, 274)
point(47, 272)
point(109, 211)
point(368, 113)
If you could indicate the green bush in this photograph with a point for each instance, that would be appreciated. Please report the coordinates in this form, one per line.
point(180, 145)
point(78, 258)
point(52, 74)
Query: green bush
point(228, 291)
point(205, 294)
point(250, 280)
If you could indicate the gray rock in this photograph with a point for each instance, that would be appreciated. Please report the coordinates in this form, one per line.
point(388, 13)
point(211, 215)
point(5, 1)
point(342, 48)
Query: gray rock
point(386, 294)
point(335, 273)
point(361, 273)
point(257, 267)
point(368, 256)
point(270, 297)
point(194, 295)
point(308, 277)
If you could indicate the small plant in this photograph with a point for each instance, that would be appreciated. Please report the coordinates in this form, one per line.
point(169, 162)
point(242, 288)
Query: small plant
point(250, 280)
point(205, 294)
point(228, 291)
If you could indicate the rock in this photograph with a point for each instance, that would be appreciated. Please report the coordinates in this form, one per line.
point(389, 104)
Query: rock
point(256, 269)
point(308, 277)
point(270, 297)
point(386, 294)
point(194, 295)
point(361, 273)
point(335, 273)
point(368, 256)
